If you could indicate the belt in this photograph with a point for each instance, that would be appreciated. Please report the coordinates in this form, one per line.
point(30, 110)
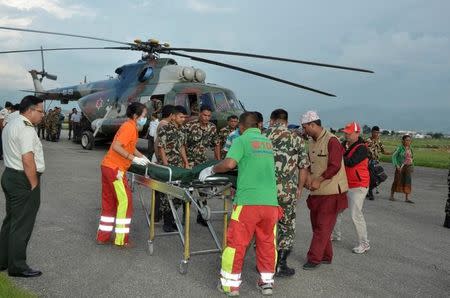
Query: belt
point(20, 171)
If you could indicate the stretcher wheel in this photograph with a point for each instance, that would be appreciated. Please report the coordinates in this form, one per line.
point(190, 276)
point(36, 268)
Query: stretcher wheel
point(183, 268)
point(150, 247)
point(206, 212)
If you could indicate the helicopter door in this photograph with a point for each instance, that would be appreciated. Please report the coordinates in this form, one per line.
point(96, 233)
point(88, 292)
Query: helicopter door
point(189, 101)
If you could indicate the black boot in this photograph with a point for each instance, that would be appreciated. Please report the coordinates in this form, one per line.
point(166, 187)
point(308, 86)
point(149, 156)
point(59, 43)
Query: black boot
point(201, 221)
point(447, 221)
point(282, 268)
point(169, 223)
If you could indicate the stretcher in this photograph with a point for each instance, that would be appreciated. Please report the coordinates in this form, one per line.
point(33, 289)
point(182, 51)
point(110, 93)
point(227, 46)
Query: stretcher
point(183, 184)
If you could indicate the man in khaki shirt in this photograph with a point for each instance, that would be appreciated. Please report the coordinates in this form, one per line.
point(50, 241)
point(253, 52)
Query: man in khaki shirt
point(24, 163)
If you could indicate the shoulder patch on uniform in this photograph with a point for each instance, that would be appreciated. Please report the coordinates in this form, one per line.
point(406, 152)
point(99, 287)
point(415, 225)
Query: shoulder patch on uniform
point(27, 123)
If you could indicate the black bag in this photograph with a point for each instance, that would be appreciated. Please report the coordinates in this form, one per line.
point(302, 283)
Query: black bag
point(377, 173)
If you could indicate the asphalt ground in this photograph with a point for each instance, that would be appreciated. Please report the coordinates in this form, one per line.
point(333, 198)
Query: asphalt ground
point(409, 256)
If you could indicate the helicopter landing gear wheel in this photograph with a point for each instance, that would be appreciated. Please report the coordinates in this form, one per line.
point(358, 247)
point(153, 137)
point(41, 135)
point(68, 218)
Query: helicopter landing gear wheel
point(206, 212)
point(87, 140)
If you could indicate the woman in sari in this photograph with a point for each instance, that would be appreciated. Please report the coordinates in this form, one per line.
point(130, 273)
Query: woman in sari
point(403, 161)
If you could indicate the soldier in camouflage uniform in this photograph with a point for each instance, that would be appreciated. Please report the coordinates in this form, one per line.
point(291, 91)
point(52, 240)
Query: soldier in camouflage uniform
point(171, 147)
point(53, 120)
point(226, 131)
point(41, 127)
point(157, 107)
point(291, 163)
point(201, 135)
point(375, 149)
point(47, 124)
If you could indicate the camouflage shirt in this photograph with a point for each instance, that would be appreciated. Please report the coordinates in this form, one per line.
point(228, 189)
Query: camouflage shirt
point(290, 154)
point(375, 148)
point(171, 138)
point(198, 140)
point(223, 135)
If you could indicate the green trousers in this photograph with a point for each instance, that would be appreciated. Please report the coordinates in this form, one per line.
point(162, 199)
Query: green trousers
point(22, 205)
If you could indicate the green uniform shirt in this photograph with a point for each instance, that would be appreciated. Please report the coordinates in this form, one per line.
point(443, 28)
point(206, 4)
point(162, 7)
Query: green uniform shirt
point(256, 184)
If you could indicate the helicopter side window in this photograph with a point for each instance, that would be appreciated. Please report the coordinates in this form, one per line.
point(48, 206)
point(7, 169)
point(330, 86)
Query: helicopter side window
point(206, 100)
point(146, 73)
point(221, 101)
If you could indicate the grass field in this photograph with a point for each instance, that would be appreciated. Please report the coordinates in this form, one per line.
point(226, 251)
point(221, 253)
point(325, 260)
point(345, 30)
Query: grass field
point(7, 289)
point(433, 153)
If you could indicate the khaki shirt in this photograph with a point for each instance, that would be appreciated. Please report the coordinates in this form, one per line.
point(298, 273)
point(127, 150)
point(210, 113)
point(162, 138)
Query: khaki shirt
point(18, 138)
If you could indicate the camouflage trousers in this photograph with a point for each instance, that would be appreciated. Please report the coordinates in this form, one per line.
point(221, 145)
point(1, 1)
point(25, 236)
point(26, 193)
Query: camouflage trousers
point(165, 206)
point(286, 225)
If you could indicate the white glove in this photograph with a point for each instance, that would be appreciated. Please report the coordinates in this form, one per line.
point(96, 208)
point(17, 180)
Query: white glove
point(119, 175)
point(146, 159)
point(139, 161)
point(205, 173)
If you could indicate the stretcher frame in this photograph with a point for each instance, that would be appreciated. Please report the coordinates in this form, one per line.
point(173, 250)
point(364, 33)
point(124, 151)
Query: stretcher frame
point(189, 195)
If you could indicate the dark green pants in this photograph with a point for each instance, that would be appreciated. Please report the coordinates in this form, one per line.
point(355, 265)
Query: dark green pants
point(22, 205)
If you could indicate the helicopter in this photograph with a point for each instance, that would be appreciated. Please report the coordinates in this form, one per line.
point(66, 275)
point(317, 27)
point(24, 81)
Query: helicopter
point(148, 80)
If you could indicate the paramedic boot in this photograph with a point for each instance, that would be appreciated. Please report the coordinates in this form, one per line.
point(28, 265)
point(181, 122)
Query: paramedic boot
point(169, 223)
point(282, 269)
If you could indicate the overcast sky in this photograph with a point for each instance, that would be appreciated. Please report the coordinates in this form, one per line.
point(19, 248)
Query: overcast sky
point(406, 43)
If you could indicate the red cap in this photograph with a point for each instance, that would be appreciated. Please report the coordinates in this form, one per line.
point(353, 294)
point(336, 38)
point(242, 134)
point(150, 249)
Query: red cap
point(352, 127)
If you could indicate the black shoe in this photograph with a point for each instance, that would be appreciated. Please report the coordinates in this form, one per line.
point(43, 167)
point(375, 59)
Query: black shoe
point(201, 221)
point(371, 197)
point(310, 266)
point(282, 269)
point(169, 223)
point(27, 273)
point(3, 268)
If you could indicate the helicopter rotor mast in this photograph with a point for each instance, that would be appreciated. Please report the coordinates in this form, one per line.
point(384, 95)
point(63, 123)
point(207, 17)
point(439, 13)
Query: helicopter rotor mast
point(153, 48)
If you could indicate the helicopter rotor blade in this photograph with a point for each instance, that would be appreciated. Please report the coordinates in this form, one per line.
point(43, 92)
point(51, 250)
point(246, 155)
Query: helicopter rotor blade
point(65, 34)
point(208, 51)
point(66, 49)
point(251, 72)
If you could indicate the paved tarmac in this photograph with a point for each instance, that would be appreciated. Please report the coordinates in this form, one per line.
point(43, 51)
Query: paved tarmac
point(409, 256)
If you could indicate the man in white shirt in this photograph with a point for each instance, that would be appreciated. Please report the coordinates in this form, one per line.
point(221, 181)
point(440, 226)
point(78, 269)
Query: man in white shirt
point(75, 118)
point(13, 113)
point(3, 113)
point(24, 164)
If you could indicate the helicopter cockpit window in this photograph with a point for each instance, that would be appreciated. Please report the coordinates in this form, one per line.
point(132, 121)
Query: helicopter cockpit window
point(146, 73)
point(221, 101)
point(206, 100)
point(232, 101)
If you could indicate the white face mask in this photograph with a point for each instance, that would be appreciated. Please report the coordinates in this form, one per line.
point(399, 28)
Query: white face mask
point(141, 121)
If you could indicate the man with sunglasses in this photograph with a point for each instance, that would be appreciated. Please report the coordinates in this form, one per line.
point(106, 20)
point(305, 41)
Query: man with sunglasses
point(24, 164)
